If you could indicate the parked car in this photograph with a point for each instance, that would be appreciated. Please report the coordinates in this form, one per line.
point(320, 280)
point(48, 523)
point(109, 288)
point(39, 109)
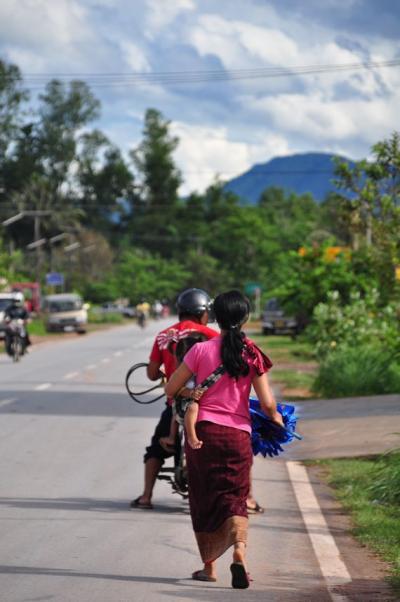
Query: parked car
point(5, 300)
point(276, 321)
point(116, 308)
point(65, 312)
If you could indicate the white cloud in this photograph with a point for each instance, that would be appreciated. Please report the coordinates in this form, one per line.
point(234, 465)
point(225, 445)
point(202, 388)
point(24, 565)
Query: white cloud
point(134, 56)
point(324, 121)
point(43, 32)
point(237, 43)
point(205, 153)
point(162, 13)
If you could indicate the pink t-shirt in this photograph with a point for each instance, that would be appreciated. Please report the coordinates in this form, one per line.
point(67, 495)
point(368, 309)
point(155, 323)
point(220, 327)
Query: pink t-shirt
point(226, 402)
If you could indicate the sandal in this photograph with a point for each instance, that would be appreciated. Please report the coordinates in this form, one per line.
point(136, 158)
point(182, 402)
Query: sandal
point(143, 505)
point(240, 578)
point(257, 509)
point(202, 576)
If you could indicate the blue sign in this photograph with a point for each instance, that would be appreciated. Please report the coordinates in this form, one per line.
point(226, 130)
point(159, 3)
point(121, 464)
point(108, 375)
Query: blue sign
point(55, 279)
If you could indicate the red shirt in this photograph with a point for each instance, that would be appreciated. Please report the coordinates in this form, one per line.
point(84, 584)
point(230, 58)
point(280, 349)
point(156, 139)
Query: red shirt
point(160, 352)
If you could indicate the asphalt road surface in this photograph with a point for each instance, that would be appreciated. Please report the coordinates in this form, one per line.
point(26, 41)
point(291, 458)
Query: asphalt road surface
point(71, 447)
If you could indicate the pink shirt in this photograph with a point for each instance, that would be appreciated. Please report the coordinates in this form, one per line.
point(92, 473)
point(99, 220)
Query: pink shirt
point(226, 402)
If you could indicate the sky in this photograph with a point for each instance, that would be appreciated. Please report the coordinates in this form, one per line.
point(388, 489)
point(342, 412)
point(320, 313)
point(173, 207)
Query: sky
point(224, 127)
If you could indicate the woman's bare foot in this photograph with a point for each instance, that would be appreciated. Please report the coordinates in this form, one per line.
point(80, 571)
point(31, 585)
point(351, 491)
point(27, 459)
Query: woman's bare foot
point(195, 443)
point(210, 569)
point(239, 553)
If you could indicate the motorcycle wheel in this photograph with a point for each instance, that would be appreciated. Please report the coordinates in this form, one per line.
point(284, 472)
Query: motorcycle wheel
point(16, 347)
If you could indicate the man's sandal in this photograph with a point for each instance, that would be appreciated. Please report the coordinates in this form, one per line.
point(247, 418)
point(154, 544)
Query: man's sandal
point(256, 509)
point(143, 505)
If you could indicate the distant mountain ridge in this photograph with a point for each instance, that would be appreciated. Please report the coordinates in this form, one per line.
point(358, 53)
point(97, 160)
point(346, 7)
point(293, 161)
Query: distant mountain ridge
point(299, 173)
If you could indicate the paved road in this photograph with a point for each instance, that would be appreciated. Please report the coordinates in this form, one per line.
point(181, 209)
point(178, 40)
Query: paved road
point(71, 443)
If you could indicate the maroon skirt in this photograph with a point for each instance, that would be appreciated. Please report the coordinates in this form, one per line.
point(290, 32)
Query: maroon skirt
point(219, 482)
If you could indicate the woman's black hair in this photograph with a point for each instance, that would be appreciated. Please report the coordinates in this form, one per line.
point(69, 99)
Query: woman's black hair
point(231, 312)
point(183, 345)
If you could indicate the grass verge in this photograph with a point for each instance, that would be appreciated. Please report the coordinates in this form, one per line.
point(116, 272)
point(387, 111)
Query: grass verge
point(294, 364)
point(369, 488)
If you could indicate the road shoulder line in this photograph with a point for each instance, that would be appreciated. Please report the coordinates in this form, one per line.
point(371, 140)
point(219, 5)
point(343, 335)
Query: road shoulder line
point(332, 566)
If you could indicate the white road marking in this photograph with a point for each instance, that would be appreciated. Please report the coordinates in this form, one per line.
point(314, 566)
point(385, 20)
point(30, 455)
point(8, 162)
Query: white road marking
point(117, 353)
point(43, 386)
point(332, 566)
point(71, 375)
point(4, 402)
point(91, 367)
point(105, 360)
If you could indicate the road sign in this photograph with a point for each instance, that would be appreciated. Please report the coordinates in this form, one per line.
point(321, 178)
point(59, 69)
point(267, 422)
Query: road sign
point(55, 279)
point(252, 288)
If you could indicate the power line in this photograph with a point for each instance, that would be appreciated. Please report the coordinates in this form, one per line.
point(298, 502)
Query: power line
point(112, 79)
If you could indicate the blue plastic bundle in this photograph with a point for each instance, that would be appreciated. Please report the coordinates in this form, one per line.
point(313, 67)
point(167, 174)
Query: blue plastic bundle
point(267, 437)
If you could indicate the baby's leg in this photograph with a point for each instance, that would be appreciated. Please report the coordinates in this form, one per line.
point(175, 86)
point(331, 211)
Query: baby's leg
point(190, 425)
point(168, 443)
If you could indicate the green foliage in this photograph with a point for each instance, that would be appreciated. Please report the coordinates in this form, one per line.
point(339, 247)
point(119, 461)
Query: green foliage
point(308, 278)
point(353, 371)
point(104, 318)
point(386, 486)
point(359, 322)
point(371, 208)
point(37, 327)
point(140, 274)
point(11, 266)
point(375, 524)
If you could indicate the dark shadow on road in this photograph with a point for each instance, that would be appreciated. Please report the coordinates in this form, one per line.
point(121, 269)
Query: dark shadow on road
point(77, 403)
point(88, 504)
point(32, 570)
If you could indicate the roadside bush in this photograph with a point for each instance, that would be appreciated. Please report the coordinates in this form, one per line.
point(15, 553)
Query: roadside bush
point(360, 322)
point(360, 370)
point(386, 487)
point(105, 318)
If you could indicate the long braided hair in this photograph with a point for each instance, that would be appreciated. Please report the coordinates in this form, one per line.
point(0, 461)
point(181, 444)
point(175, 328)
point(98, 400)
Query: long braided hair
point(231, 312)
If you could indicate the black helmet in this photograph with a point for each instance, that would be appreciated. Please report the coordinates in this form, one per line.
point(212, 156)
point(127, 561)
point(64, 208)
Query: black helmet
point(193, 302)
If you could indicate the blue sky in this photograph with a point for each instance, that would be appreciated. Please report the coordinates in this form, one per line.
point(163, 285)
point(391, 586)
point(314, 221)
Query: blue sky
point(224, 127)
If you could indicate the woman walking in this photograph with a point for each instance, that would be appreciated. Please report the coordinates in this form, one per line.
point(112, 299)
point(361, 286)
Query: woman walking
point(219, 470)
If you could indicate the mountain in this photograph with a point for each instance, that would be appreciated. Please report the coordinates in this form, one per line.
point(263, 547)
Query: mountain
point(300, 173)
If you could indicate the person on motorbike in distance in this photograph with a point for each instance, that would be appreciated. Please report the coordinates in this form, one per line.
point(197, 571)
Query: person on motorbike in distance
point(16, 311)
point(193, 307)
point(143, 312)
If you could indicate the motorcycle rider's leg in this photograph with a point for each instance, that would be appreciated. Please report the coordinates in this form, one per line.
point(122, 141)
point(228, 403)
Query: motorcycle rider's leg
point(7, 343)
point(151, 469)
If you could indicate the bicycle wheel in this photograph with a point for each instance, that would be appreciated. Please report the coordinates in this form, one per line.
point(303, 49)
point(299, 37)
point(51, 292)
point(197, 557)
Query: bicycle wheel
point(137, 389)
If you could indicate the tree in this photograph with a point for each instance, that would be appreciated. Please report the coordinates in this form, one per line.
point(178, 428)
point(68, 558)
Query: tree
point(106, 185)
point(12, 95)
point(63, 112)
point(371, 205)
point(154, 219)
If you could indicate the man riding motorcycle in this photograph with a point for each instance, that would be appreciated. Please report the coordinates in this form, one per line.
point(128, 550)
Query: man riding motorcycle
point(193, 307)
point(16, 311)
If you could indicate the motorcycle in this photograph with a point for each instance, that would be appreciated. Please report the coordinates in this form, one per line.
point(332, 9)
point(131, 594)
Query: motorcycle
point(16, 339)
point(175, 475)
point(141, 319)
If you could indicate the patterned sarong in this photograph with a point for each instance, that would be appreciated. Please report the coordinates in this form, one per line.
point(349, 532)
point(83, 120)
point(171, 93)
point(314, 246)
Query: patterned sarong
point(219, 481)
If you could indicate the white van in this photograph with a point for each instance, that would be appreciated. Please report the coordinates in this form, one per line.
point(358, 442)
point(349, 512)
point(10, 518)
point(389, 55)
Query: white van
point(65, 312)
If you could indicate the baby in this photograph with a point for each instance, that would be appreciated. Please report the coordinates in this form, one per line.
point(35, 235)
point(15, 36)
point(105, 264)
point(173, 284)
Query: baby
point(185, 403)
